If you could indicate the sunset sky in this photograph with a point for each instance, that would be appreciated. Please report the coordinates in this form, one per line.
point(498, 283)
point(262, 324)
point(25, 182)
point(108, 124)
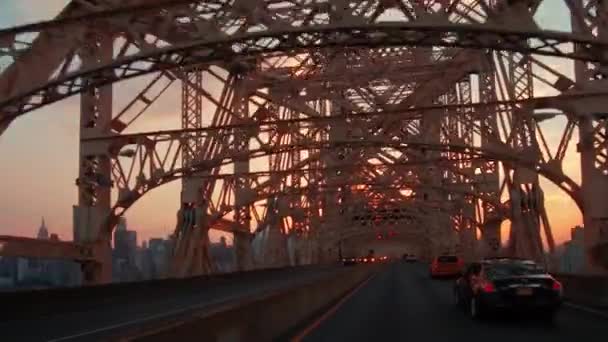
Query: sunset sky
point(38, 153)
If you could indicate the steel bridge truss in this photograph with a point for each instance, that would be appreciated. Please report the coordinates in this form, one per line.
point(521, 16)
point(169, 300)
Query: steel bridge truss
point(311, 122)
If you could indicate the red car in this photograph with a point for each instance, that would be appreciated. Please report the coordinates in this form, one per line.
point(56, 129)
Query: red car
point(446, 266)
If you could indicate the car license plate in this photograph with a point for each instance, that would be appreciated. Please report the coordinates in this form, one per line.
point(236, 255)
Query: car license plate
point(524, 291)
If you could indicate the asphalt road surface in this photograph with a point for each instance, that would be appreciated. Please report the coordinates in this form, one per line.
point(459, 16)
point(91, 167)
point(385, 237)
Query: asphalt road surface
point(115, 316)
point(403, 304)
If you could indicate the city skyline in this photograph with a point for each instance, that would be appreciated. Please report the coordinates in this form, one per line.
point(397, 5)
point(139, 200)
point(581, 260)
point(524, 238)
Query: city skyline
point(45, 230)
point(39, 172)
point(132, 261)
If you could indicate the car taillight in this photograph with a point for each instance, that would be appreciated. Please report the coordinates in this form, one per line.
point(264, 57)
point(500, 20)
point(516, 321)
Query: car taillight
point(557, 286)
point(488, 287)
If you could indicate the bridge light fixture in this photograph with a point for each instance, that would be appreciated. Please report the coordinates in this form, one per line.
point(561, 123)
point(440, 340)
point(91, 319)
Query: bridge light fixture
point(128, 153)
point(540, 117)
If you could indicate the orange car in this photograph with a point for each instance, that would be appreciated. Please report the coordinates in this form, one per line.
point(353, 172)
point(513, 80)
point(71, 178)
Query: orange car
point(446, 265)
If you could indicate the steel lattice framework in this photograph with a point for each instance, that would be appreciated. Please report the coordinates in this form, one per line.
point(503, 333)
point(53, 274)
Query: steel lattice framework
point(368, 115)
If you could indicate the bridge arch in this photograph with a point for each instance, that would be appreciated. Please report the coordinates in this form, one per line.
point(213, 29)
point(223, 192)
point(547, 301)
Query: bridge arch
point(205, 47)
point(232, 47)
point(185, 46)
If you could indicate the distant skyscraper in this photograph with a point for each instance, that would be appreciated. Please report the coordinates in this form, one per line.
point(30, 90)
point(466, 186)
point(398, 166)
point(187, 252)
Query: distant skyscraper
point(43, 232)
point(125, 253)
point(577, 234)
point(132, 245)
point(122, 224)
point(159, 254)
point(573, 257)
point(122, 237)
point(125, 245)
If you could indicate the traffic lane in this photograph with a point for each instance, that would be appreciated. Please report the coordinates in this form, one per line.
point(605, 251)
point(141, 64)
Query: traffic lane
point(403, 303)
point(396, 305)
point(109, 318)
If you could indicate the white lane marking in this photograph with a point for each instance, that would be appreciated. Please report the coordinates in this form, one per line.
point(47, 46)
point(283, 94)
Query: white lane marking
point(587, 309)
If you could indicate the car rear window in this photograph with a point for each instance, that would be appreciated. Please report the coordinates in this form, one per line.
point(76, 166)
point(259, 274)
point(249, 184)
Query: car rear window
point(447, 258)
point(500, 270)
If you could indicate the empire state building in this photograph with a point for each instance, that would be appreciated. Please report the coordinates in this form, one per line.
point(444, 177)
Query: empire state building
point(43, 232)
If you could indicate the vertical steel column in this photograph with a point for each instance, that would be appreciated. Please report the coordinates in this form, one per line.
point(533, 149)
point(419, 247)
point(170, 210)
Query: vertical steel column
point(297, 209)
point(589, 18)
point(525, 192)
point(191, 247)
point(95, 168)
point(463, 131)
point(335, 177)
point(275, 244)
point(439, 240)
point(490, 233)
point(315, 196)
point(192, 113)
point(450, 127)
point(242, 213)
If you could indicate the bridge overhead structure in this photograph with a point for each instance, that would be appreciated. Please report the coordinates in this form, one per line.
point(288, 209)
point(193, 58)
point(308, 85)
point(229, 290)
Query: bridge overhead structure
point(425, 110)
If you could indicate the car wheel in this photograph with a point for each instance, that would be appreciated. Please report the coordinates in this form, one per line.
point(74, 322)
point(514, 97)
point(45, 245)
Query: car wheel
point(475, 309)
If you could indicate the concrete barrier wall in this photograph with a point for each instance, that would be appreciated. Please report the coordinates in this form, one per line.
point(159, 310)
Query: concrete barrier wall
point(263, 318)
point(585, 290)
point(37, 303)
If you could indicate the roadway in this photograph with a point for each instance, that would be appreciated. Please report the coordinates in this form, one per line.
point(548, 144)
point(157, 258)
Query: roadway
point(115, 314)
point(403, 304)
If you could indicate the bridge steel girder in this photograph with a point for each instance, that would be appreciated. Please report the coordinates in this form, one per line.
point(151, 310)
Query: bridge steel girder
point(593, 132)
point(95, 166)
point(147, 146)
point(332, 221)
point(217, 45)
point(268, 190)
point(190, 254)
point(310, 118)
point(164, 179)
